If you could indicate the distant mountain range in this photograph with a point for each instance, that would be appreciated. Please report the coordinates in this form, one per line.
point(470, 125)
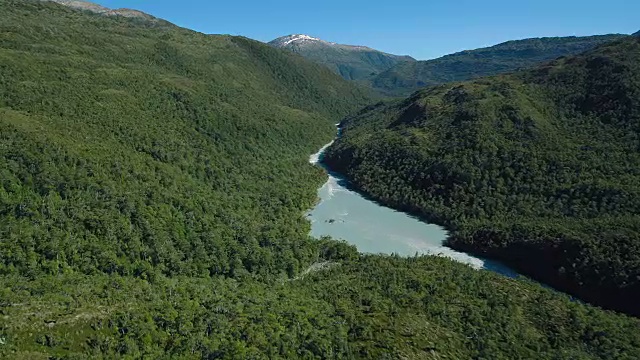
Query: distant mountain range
point(358, 63)
point(395, 75)
point(406, 78)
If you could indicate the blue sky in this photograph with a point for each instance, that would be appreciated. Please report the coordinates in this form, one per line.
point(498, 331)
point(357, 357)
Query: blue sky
point(423, 29)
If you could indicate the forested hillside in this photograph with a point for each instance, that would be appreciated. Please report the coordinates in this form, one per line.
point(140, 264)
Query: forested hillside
point(153, 182)
point(405, 78)
point(538, 169)
point(151, 139)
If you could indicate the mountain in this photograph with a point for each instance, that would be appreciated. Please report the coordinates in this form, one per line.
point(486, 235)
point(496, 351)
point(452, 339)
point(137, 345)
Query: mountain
point(537, 168)
point(358, 63)
point(394, 75)
point(153, 182)
point(99, 9)
point(637, 34)
point(407, 77)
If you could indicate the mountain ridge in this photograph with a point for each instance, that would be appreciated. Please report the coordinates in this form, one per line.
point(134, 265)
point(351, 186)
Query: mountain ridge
point(405, 78)
point(352, 62)
point(397, 75)
point(300, 39)
point(102, 10)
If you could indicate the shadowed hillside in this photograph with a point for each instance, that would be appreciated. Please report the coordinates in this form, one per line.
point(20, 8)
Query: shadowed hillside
point(537, 168)
point(405, 78)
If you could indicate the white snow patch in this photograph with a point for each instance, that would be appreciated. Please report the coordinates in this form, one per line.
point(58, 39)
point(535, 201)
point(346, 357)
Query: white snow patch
point(299, 38)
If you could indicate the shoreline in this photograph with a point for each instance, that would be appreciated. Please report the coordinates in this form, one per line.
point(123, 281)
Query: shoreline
point(441, 249)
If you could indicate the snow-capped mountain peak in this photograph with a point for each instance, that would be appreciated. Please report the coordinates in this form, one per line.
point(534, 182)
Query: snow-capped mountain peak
point(295, 39)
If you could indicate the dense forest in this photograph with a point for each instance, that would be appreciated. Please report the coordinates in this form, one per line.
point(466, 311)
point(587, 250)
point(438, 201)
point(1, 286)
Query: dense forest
point(405, 78)
point(151, 140)
point(153, 182)
point(538, 168)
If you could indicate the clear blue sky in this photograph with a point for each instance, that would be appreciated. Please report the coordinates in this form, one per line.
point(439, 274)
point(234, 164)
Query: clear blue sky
point(421, 28)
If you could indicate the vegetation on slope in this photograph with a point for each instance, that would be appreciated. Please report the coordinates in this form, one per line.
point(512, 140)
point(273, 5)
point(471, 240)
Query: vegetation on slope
point(405, 78)
point(98, 9)
point(371, 307)
point(152, 187)
point(150, 140)
point(538, 168)
point(356, 63)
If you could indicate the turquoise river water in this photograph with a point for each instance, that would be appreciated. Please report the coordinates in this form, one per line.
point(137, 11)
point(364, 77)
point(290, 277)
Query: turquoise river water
point(345, 214)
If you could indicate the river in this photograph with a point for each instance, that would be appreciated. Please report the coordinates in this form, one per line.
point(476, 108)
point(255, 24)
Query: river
point(345, 214)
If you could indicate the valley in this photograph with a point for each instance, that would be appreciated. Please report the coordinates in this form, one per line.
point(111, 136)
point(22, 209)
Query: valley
point(158, 199)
